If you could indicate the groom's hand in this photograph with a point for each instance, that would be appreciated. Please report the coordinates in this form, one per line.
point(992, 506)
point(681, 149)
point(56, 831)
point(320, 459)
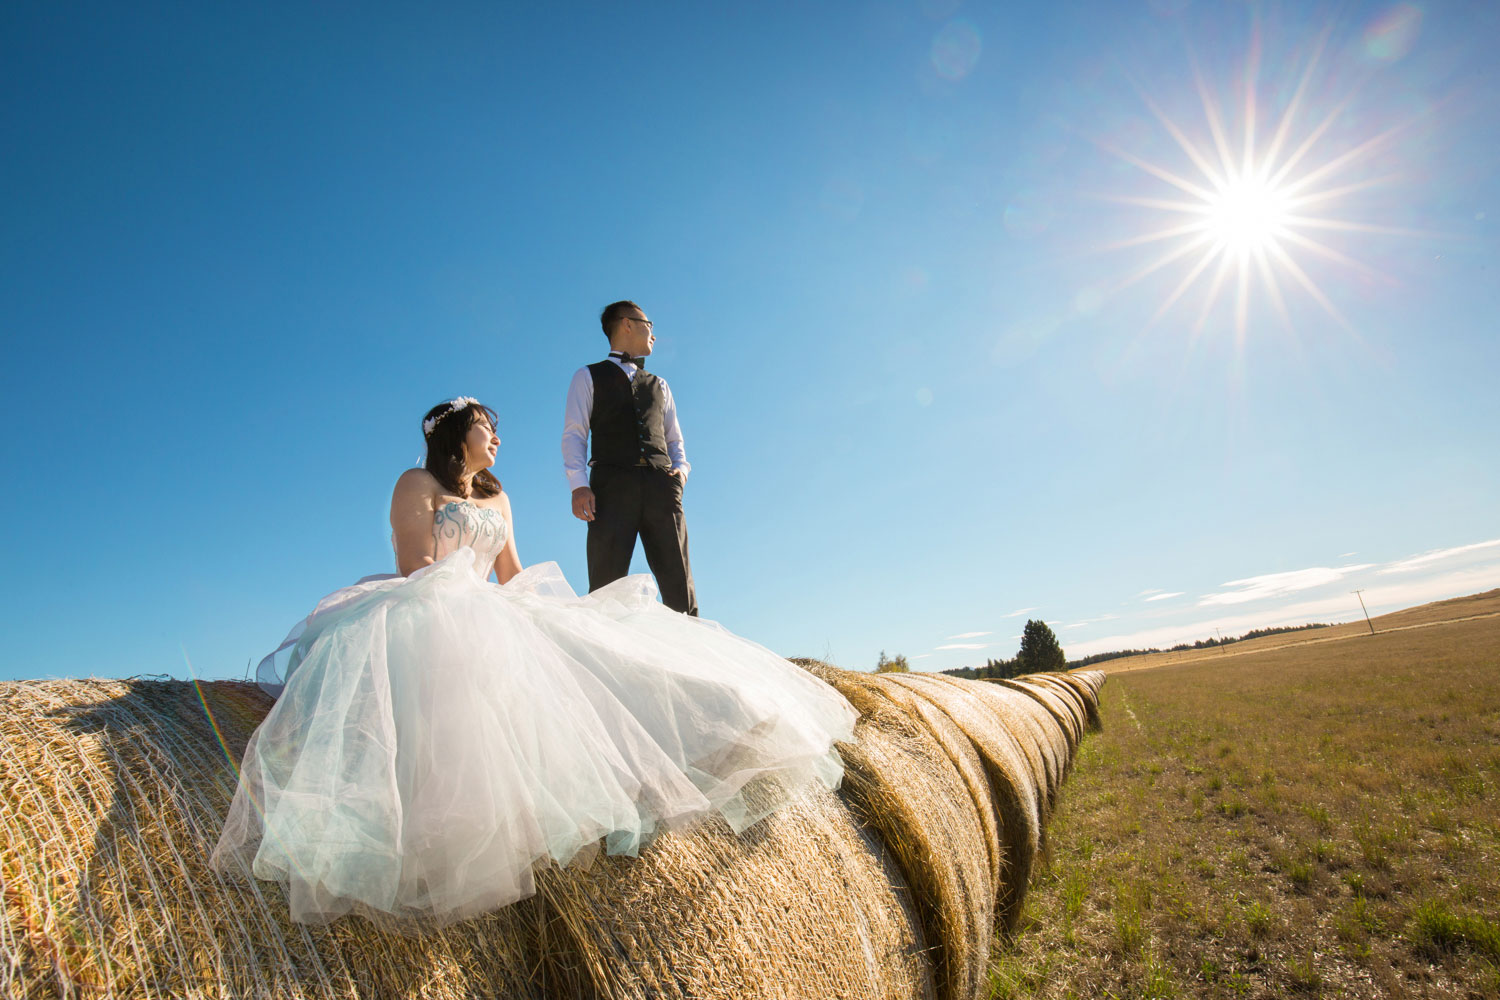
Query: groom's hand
point(583, 503)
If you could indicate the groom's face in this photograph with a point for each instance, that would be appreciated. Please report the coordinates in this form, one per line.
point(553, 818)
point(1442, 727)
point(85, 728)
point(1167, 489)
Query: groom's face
point(633, 334)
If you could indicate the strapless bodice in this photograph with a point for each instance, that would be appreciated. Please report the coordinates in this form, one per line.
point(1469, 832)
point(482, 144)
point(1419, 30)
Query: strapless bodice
point(462, 522)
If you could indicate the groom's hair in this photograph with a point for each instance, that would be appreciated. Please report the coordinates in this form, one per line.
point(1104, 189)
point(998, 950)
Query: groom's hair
point(614, 312)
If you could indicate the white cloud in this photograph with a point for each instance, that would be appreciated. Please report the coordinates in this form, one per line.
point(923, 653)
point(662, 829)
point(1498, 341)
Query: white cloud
point(1017, 614)
point(1256, 588)
point(1148, 593)
point(970, 635)
point(1346, 555)
point(1417, 562)
point(966, 645)
point(1270, 585)
point(921, 656)
point(1092, 621)
point(1334, 608)
point(1163, 597)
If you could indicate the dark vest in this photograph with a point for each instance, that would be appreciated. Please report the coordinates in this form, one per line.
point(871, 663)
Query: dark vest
point(627, 423)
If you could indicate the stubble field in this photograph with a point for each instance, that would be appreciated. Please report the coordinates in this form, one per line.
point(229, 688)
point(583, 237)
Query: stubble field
point(1309, 819)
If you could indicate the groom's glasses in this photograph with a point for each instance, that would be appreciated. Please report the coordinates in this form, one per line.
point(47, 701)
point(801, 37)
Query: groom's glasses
point(646, 321)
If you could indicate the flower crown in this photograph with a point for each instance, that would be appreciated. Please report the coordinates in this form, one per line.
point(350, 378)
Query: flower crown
point(454, 405)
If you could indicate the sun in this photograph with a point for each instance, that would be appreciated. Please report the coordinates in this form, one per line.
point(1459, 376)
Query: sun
point(1244, 211)
point(1248, 215)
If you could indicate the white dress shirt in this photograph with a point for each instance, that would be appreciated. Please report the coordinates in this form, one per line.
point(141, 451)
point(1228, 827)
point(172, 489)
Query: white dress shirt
point(575, 439)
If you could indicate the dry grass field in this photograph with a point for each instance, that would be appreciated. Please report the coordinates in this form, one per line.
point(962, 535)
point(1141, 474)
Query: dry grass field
point(1307, 818)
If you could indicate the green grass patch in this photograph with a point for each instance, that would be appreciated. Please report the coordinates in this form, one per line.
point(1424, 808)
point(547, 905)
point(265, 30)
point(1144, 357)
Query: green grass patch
point(1259, 919)
point(1233, 808)
point(1436, 930)
point(1304, 975)
point(1130, 925)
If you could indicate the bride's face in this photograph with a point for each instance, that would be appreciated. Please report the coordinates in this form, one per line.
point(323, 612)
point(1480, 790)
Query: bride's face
point(480, 446)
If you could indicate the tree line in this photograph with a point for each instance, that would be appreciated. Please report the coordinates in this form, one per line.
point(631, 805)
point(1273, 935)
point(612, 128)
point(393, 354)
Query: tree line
point(1254, 633)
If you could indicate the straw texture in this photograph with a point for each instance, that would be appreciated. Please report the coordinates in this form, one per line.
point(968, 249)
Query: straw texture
point(1014, 795)
point(112, 793)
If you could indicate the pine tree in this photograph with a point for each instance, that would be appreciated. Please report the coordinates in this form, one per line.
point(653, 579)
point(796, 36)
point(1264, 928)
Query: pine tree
point(1040, 650)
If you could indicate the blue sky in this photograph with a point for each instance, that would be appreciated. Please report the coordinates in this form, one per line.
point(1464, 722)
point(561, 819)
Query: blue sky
point(900, 257)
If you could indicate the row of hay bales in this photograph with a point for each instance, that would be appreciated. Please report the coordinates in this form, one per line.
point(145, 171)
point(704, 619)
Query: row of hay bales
point(891, 887)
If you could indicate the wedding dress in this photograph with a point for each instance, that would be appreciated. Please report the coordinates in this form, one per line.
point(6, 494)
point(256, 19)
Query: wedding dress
point(437, 737)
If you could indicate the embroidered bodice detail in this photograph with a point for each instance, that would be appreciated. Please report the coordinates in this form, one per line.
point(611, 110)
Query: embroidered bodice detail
point(462, 522)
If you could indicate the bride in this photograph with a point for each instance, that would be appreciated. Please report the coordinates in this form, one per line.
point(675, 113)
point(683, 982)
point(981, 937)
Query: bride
point(438, 736)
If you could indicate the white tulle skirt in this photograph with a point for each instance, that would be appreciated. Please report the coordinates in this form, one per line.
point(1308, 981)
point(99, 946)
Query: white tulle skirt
point(439, 737)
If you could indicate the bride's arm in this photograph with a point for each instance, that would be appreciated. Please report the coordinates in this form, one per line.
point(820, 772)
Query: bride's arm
point(507, 563)
point(412, 511)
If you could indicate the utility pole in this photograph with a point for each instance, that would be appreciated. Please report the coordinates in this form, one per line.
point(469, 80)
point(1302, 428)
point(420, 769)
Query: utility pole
point(1221, 639)
point(1360, 595)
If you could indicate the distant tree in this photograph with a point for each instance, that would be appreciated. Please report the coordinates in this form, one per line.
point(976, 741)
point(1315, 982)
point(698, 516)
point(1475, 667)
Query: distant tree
point(891, 664)
point(996, 669)
point(1040, 649)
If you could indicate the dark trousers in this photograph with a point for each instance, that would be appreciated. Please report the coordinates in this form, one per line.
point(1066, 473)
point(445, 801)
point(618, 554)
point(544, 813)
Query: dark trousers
point(640, 500)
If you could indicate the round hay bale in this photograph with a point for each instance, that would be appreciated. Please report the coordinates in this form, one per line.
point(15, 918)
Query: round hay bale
point(1086, 697)
point(1052, 719)
point(1015, 719)
point(1013, 787)
point(1061, 701)
point(1070, 725)
point(1037, 731)
point(114, 792)
point(804, 903)
point(901, 781)
point(963, 755)
point(1092, 679)
point(1068, 694)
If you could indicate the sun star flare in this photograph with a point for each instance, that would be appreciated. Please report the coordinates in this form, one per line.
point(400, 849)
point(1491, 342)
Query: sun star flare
point(1242, 217)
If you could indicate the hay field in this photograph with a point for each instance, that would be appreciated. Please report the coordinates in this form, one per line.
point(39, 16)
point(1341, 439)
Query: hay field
point(1474, 606)
point(1318, 819)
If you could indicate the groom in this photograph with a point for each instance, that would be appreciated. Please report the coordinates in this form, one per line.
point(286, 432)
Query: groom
point(638, 465)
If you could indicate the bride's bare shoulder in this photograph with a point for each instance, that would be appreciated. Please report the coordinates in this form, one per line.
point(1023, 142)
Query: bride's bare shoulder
point(415, 483)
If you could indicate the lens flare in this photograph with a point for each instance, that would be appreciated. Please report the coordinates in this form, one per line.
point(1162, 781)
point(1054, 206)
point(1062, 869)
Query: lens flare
point(1392, 35)
point(234, 767)
point(955, 50)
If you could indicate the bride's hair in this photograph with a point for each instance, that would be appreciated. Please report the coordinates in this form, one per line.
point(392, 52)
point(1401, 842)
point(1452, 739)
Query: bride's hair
point(445, 447)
